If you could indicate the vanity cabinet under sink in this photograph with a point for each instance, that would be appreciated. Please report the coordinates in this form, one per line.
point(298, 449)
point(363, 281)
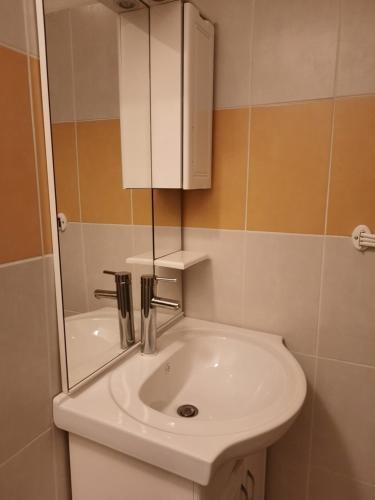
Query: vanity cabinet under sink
point(128, 440)
point(100, 473)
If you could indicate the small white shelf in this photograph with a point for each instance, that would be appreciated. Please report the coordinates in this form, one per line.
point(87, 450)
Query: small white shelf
point(181, 260)
point(146, 259)
point(176, 260)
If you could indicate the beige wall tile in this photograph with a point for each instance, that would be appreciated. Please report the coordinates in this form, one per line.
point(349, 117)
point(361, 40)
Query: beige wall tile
point(356, 66)
point(347, 312)
point(233, 21)
point(344, 420)
point(223, 206)
point(294, 50)
point(19, 227)
point(103, 200)
point(40, 155)
point(213, 289)
point(12, 27)
point(60, 66)
point(30, 475)
point(95, 55)
point(289, 162)
point(353, 175)
point(24, 381)
point(325, 485)
point(66, 170)
point(282, 287)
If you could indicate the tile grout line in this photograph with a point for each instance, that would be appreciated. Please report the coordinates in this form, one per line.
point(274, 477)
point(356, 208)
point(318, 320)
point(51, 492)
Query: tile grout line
point(30, 443)
point(345, 476)
point(333, 360)
point(245, 242)
point(323, 257)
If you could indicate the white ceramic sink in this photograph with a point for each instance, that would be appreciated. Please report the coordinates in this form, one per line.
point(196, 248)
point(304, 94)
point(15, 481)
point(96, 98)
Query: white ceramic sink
point(246, 385)
point(237, 380)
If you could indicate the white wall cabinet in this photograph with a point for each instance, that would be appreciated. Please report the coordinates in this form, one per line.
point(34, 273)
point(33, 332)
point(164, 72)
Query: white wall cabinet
point(99, 473)
point(181, 83)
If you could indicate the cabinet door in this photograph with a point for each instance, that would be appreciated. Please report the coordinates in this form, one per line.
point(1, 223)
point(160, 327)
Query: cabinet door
point(225, 484)
point(254, 476)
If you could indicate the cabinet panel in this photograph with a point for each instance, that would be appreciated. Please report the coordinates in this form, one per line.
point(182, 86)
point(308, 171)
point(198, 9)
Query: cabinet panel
point(99, 473)
point(166, 94)
point(198, 99)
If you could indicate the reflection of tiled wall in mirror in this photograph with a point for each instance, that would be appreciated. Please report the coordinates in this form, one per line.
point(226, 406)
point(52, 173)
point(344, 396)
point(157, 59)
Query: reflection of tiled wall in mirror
point(107, 223)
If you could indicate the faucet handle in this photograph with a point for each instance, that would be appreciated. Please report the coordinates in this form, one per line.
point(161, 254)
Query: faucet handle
point(168, 280)
point(113, 273)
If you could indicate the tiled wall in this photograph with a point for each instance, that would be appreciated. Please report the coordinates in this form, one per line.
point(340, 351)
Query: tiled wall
point(33, 454)
point(294, 173)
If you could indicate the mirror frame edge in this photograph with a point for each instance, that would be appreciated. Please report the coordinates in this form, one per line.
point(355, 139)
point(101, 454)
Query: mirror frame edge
point(51, 191)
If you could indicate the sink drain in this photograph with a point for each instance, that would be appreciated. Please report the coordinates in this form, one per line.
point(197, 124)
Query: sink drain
point(187, 411)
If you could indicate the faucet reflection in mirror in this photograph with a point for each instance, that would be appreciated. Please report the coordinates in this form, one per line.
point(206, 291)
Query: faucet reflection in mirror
point(149, 303)
point(124, 297)
point(106, 223)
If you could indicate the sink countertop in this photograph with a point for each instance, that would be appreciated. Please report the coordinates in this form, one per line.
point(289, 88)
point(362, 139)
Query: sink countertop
point(93, 413)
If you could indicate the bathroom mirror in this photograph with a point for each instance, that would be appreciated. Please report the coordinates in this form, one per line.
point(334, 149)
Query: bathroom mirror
point(97, 55)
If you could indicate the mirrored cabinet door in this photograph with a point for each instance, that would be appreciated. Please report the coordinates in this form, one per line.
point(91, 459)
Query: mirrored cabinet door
point(102, 223)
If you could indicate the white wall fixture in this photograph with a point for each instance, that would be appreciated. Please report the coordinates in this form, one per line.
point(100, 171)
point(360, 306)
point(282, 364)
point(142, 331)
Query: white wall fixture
point(176, 260)
point(362, 238)
point(181, 52)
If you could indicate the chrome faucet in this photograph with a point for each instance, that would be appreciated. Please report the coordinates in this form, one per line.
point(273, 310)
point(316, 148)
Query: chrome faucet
point(124, 297)
point(149, 302)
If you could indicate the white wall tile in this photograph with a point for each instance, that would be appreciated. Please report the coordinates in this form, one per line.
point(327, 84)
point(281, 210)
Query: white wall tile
point(60, 66)
point(12, 27)
point(213, 289)
point(30, 21)
point(30, 475)
point(325, 485)
point(95, 54)
point(282, 286)
point(232, 49)
point(107, 246)
point(356, 68)
point(344, 420)
point(347, 327)
point(295, 43)
point(24, 370)
point(73, 268)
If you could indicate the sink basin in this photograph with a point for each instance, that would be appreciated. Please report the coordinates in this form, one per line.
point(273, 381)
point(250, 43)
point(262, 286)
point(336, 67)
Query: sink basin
point(237, 380)
point(245, 385)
